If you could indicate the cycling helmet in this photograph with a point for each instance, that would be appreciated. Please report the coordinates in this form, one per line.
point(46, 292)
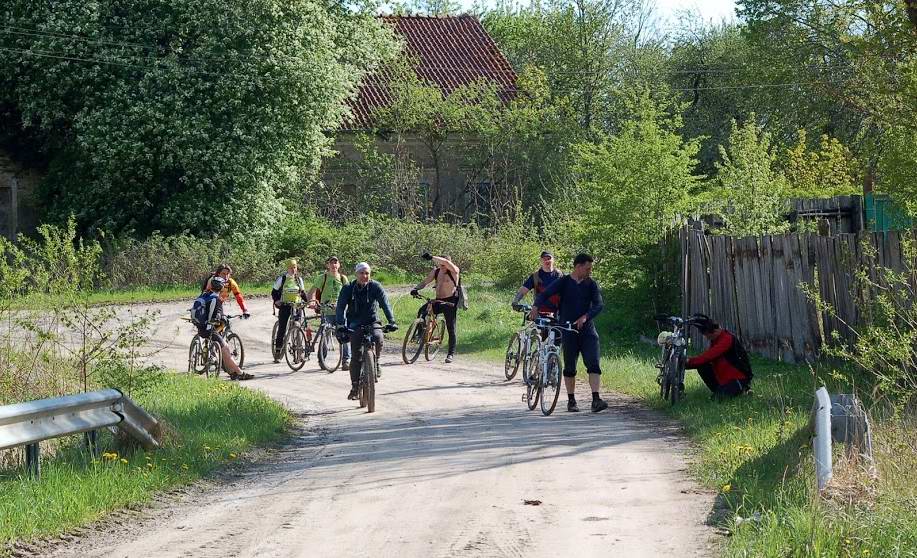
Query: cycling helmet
point(217, 283)
point(704, 323)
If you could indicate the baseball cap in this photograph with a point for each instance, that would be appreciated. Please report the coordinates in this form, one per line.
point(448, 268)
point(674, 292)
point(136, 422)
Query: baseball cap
point(332, 259)
point(547, 254)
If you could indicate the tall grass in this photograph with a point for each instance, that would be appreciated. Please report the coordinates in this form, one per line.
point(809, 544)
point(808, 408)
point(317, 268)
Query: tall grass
point(208, 424)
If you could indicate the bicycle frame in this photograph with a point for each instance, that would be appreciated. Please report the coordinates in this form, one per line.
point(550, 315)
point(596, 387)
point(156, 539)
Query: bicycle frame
point(672, 360)
point(549, 345)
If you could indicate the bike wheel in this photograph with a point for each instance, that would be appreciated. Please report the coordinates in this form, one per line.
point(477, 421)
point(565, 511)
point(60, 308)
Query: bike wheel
point(196, 358)
point(528, 363)
point(513, 357)
point(413, 341)
point(329, 350)
point(550, 390)
point(675, 392)
point(274, 352)
point(368, 381)
point(295, 348)
point(236, 349)
point(533, 388)
point(436, 339)
point(215, 360)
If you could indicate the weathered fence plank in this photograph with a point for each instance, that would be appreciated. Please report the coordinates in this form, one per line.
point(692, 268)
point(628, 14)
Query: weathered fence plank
point(752, 286)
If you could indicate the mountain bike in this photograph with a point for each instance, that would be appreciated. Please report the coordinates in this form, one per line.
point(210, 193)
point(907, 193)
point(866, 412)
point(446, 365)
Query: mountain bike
point(424, 334)
point(671, 365)
point(205, 357)
point(297, 343)
point(369, 372)
point(522, 346)
point(328, 349)
point(546, 381)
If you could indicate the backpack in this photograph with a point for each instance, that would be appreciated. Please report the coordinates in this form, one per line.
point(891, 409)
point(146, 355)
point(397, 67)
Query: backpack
point(460, 292)
point(202, 309)
point(738, 357)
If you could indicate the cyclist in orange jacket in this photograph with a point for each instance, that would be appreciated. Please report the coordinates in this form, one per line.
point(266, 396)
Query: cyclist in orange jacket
point(230, 287)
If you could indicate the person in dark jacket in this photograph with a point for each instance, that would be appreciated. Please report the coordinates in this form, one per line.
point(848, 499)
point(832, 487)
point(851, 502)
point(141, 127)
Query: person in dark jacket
point(360, 300)
point(580, 303)
point(724, 366)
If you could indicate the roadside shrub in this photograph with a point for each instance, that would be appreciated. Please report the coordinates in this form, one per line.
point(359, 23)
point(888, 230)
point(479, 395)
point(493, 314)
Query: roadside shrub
point(181, 260)
point(512, 253)
point(885, 346)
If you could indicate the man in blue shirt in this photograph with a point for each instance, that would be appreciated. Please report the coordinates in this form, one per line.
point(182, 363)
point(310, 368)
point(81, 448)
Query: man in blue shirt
point(580, 302)
point(361, 299)
point(540, 280)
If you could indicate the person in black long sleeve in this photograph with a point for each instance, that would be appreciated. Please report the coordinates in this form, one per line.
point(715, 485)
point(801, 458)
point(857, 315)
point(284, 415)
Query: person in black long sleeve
point(580, 303)
point(361, 300)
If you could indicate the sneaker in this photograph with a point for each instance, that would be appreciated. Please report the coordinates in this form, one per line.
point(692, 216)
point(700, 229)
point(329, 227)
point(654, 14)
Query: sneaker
point(572, 407)
point(599, 405)
point(243, 376)
point(353, 394)
point(345, 365)
point(449, 358)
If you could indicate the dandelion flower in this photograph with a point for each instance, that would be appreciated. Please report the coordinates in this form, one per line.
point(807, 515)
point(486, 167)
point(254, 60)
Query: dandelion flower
point(727, 487)
point(124, 461)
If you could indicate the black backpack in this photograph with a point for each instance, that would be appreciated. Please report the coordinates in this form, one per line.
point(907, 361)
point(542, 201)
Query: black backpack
point(738, 357)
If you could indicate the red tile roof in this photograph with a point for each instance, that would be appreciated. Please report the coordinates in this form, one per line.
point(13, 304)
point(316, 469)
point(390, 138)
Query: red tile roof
point(452, 51)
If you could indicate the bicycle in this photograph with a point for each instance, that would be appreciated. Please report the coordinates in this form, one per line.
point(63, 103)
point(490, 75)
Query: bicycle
point(522, 346)
point(369, 372)
point(205, 356)
point(424, 334)
point(297, 343)
point(329, 349)
point(546, 367)
point(671, 378)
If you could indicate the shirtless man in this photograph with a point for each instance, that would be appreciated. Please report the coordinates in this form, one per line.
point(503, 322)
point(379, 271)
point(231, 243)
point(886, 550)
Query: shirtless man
point(445, 276)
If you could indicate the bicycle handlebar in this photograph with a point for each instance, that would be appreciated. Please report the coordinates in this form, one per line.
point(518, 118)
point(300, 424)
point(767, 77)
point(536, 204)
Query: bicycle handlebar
point(387, 328)
point(429, 300)
point(546, 323)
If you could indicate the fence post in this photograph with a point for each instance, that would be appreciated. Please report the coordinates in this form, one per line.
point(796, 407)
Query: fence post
point(821, 442)
point(33, 460)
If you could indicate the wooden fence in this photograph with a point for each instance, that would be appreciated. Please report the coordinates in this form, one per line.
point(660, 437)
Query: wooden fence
point(751, 285)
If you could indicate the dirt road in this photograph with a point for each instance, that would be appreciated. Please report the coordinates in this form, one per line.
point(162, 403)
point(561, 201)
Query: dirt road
point(443, 468)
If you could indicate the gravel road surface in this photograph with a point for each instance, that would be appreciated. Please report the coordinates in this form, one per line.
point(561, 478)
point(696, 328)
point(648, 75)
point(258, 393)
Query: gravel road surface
point(450, 464)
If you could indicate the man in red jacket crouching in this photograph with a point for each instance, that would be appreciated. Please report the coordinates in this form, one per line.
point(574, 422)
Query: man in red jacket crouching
point(724, 367)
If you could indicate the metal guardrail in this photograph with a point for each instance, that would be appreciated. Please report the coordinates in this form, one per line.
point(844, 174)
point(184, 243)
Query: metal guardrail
point(28, 424)
point(838, 418)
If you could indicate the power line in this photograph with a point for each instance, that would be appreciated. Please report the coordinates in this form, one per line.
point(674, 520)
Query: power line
point(120, 61)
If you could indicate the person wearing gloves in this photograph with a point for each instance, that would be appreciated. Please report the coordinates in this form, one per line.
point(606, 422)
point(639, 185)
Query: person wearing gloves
point(357, 306)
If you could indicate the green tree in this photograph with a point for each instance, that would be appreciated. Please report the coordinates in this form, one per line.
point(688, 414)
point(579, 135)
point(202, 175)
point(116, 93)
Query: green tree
point(750, 191)
point(830, 170)
point(630, 187)
point(173, 115)
point(583, 46)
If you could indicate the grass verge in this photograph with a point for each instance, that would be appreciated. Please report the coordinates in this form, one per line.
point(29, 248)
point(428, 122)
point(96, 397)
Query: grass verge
point(754, 451)
point(209, 424)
